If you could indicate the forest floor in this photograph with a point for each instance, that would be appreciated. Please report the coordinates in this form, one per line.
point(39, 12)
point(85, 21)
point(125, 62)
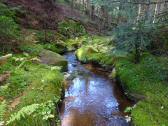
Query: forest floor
point(29, 82)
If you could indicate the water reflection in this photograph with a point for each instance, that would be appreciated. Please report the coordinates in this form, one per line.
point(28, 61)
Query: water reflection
point(90, 99)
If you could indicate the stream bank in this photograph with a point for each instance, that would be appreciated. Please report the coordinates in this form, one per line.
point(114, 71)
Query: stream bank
point(145, 81)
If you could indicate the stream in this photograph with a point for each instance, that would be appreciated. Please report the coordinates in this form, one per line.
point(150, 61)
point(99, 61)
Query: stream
point(91, 98)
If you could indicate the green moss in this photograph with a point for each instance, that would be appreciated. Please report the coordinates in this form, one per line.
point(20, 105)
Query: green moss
point(98, 49)
point(92, 54)
point(45, 85)
point(81, 54)
point(15, 85)
point(17, 80)
point(149, 79)
point(89, 54)
point(33, 84)
point(45, 82)
point(74, 43)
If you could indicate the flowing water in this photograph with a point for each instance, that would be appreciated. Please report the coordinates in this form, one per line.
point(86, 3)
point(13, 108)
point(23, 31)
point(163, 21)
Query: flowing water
point(91, 98)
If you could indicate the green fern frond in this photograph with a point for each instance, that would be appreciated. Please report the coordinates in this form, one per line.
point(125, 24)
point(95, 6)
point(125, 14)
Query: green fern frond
point(2, 110)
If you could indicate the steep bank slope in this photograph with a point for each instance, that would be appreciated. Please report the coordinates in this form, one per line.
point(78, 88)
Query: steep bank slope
point(37, 13)
point(41, 14)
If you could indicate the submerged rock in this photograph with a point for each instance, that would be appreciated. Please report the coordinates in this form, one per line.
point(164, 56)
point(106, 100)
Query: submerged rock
point(52, 58)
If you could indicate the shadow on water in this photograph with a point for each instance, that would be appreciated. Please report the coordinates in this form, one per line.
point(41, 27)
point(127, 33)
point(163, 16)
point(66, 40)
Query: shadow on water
point(91, 98)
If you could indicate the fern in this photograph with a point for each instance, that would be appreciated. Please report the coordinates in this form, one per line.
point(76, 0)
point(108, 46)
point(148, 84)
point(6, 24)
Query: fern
point(43, 112)
point(2, 110)
point(25, 111)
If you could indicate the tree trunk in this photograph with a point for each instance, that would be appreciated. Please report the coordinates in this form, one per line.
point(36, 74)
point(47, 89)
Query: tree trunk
point(92, 12)
point(156, 12)
point(139, 12)
point(72, 4)
point(84, 6)
point(45, 32)
point(147, 12)
point(137, 50)
point(137, 53)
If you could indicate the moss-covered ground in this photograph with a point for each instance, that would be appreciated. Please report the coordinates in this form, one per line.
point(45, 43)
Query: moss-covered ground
point(29, 84)
point(145, 81)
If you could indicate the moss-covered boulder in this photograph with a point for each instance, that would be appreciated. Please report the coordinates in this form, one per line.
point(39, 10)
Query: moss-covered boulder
point(52, 58)
point(83, 53)
point(92, 55)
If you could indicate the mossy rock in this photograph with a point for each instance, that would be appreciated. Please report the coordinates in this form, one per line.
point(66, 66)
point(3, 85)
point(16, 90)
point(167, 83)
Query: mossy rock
point(83, 53)
point(52, 58)
point(72, 44)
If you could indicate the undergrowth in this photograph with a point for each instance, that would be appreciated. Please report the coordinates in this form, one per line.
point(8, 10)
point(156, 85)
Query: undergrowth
point(71, 29)
point(34, 84)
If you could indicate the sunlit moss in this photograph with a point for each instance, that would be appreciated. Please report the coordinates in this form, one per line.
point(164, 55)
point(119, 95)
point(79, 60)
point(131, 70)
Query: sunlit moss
point(74, 43)
point(148, 79)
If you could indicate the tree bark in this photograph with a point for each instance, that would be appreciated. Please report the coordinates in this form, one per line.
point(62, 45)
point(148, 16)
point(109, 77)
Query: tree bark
point(156, 11)
point(92, 12)
point(137, 49)
point(139, 12)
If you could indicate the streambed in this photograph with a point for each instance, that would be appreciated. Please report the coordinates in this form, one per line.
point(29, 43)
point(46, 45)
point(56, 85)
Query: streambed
point(91, 98)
